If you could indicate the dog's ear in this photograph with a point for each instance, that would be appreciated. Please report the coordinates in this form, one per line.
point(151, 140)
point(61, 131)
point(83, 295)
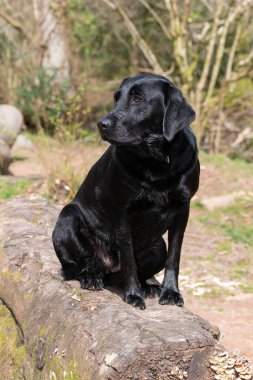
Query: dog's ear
point(178, 113)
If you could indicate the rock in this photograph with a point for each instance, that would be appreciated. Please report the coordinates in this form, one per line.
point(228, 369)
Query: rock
point(23, 141)
point(5, 157)
point(11, 121)
point(74, 333)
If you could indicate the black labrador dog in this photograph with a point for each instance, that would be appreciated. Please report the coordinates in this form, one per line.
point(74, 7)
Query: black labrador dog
point(111, 233)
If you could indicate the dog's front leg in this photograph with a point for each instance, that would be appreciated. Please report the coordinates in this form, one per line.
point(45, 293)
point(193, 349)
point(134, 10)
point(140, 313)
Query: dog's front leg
point(128, 272)
point(170, 294)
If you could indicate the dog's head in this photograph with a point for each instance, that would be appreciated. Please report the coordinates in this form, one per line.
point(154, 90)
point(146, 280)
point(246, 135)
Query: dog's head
point(145, 105)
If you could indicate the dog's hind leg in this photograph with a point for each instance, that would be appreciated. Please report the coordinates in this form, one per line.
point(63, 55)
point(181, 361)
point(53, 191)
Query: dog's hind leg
point(74, 251)
point(150, 262)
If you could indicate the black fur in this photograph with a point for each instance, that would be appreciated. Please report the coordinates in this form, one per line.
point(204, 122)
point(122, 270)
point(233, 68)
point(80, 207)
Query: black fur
point(111, 233)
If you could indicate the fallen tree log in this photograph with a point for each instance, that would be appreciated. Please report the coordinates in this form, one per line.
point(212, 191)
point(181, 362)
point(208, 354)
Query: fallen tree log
point(71, 333)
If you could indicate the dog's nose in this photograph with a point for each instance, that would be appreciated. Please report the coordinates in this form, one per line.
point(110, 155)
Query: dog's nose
point(104, 123)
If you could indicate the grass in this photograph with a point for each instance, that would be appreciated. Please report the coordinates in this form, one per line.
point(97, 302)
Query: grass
point(223, 162)
point(11, 189)
point(210, 257)
point(247, 288)
point(217, 292)
point(197, 205)
point(235, 221)
point(239, 269)
point(63, 179)
point(214, 292)
point(225, 246)
point(214, 159)
point(232, 225)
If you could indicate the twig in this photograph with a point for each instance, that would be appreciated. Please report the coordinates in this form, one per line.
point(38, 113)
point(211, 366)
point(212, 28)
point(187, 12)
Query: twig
point(246, 73)
point(245, 134)
point(232, 51)
point(203, 32)
point(186, 13)
point(145, 48)
point(207, 64)
point(238, 10)
point(208, 6)
point(14, 23)
point(156, 17)
point(246, 60)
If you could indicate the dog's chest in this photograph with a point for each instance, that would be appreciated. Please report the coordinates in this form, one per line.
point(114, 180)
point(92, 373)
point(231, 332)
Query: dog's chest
point(152, 211)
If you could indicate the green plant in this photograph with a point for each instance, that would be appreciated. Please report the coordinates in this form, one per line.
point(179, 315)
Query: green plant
point(197, 205)
point(239, 269)
point(39, 98)
point(52, 105)
point(90, 43)
point(11, 189)
point(225, 246)
point(247, 288)
point(68, 124)
point(240, 95)
point(233, 220)
point(56, 155)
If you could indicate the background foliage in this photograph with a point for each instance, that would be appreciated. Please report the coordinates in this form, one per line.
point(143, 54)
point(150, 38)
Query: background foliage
point(62, 66)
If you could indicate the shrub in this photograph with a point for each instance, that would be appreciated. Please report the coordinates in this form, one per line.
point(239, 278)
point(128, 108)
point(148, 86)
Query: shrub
point(49, 103)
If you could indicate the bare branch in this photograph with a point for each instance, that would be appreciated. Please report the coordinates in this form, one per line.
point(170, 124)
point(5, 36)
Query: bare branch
point(238, 10)
point(247, 60)
point(247, 73)
point(14, 23)
point(245, 134)
point(156, 17)
point(203, 33)
point(186, 13)
point(168, 5)
point(170, 71)
point(145, 48)
point(178, 32)
point(210, 49)
point(165, 73)
point(36, 9)
point(110, 4)
point(232, 51)
point(208, 6)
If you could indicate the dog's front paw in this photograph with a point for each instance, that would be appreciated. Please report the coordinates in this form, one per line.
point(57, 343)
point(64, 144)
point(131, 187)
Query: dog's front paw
point(151, 291)
point(135, 300)
point(90, 281)
point(170, 297)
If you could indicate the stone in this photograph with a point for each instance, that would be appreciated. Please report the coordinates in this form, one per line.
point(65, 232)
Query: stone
point(23, 141)
point(11, 121)
point(5, 157)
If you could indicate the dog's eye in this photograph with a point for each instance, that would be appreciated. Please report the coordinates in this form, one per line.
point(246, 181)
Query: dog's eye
point(136, 99)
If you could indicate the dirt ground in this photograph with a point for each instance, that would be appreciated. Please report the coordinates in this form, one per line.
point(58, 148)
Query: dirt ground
point(216, 268)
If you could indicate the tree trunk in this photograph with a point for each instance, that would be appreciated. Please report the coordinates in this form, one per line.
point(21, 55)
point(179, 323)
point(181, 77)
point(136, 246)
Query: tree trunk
point(79, 334)
point(52, 38)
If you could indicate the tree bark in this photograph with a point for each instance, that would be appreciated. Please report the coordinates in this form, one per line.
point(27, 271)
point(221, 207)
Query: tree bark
point(73, 333)
point(52, 38)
